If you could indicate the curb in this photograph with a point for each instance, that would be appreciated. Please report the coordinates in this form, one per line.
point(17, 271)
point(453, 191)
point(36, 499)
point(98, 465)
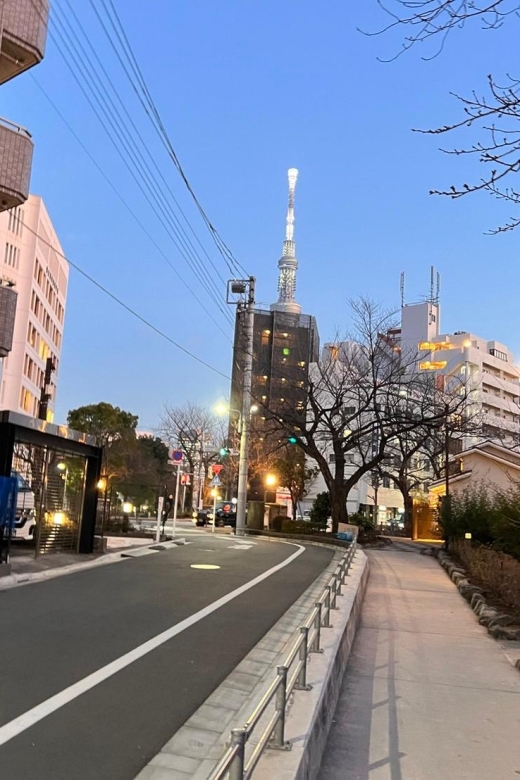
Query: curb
point(498, 625)
point(14, 580)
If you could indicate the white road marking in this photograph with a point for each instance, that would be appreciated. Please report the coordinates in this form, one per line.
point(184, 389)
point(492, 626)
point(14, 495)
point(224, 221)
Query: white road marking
point(41, 711)
point(240, 546)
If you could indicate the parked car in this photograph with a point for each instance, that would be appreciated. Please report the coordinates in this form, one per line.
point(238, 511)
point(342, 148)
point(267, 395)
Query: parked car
point(200, 517)
point(226, 514)
point(25, 521)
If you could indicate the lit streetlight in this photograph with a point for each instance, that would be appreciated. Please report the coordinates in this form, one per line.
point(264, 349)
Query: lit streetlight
point(270, 481)
point(223, 409)
point(128, 509)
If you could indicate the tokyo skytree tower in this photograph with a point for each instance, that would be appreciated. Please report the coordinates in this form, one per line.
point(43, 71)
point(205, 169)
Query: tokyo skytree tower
point(288, 264)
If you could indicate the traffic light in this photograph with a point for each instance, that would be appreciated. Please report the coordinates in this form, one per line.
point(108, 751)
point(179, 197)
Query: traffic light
point(292, 440)
point(224, 452)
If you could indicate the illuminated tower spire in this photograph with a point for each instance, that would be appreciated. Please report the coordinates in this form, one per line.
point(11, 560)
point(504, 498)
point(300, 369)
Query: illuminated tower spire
point(288, 263)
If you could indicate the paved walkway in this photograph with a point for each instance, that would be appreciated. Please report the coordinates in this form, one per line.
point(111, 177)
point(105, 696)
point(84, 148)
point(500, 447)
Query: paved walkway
point(428, 695)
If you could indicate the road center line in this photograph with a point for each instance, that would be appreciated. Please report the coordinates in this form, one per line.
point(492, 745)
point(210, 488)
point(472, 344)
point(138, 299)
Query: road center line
point(41, 711)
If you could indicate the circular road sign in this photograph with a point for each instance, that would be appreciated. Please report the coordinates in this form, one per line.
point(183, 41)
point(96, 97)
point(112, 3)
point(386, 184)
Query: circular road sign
point(177, 456)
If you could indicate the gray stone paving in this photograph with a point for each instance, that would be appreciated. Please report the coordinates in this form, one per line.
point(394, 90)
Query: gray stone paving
point(428, 694)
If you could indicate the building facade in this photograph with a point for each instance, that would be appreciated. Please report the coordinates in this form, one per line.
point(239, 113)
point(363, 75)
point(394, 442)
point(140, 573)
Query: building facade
point(31, 260)
point(23, 33)
point(487, 368)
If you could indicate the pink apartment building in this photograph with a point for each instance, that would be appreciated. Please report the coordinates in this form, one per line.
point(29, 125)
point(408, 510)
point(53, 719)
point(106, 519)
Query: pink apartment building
point(31, 259)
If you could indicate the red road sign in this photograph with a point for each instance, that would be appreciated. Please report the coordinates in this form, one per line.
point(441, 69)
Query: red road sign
point(176, 456)
point(217, 468)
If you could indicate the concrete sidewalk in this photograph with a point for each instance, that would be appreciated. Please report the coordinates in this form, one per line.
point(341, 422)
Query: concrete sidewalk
point(428, 694)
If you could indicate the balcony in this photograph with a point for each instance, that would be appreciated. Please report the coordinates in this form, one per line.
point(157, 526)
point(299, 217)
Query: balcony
point(16, 150)
point(23, 32)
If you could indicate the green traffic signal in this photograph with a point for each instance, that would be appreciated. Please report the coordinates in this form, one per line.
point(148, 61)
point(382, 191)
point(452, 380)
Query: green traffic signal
point(224, 451)
point(292, 440)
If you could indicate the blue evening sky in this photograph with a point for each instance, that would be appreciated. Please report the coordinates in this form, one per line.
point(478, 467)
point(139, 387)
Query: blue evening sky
point(246, 90)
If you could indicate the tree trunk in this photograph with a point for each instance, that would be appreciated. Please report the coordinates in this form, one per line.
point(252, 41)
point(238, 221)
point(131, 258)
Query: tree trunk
point(408, 512)
point(339, 508)
point(338, 497)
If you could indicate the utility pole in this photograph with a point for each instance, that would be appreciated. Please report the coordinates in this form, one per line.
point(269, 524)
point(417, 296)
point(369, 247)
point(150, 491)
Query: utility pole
point(245, 289)
point(45, 395)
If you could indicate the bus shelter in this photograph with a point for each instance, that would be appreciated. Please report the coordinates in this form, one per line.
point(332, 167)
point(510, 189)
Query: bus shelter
point(57, 471)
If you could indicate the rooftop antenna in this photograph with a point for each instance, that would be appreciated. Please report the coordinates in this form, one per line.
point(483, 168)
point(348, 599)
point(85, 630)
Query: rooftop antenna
point(432, 288)
point(402, 289)
point(438, 296)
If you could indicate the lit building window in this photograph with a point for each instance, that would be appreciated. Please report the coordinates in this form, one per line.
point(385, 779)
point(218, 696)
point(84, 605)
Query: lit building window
point(432, 365)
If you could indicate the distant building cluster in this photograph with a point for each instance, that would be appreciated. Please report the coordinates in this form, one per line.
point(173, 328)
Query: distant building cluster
point(286, 347)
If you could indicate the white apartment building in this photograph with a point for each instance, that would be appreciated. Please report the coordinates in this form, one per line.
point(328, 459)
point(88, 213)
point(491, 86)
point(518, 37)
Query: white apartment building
point(488, 368)
point(30, 259)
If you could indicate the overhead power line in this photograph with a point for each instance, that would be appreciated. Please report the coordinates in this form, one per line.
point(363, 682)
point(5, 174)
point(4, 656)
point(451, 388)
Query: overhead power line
point(91, 84)
point(127, 206)
point(125, 306)
point(87, 78)
point(152, 112)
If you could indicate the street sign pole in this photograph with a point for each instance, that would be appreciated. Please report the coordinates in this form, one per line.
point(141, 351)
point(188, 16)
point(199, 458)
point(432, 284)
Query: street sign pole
point(160, 505)
point(176, 499)
point(215, 491)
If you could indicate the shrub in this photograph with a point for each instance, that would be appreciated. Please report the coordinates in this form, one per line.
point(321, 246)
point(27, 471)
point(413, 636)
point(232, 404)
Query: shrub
point(321, 509)
point(277, 522)
point(498, 572)
point(366, 524)
point(492, 518)
point(303, 527)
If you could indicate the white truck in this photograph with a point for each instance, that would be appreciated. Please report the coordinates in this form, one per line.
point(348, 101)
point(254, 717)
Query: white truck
point(25, 522)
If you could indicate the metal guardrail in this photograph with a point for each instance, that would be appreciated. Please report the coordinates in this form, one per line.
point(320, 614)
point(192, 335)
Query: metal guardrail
point(291, 676)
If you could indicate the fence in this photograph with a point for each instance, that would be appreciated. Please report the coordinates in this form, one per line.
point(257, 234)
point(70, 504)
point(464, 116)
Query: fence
point(291, 676)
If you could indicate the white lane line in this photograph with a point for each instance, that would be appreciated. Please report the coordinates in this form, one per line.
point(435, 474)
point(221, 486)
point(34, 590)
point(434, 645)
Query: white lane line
point(41, 711)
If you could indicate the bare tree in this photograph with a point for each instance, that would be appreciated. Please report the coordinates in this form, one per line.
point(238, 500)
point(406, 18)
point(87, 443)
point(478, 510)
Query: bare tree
point(359, 400)
point(197, 432)
point(496, 112)
point(434, 20)
point(416, 457)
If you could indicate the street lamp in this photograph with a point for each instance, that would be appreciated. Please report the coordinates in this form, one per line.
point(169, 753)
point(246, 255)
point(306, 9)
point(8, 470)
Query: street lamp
point(222, 409)
point(102, 486)
point(62, 468)
point(127, 510)
point(270, 481)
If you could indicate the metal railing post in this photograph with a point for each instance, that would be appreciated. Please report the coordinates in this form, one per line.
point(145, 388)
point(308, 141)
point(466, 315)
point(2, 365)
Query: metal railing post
point(301, 680)
point(317, 625)
point(341, 578)
point(333, 604)
point(278, 740)
point(238, 739)
point(326, 617)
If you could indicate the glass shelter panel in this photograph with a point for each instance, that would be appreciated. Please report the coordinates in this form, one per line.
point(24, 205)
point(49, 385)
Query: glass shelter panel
point(54, 489)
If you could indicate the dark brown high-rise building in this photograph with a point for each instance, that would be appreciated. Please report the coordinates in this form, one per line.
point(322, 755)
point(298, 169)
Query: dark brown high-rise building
point(285, 343)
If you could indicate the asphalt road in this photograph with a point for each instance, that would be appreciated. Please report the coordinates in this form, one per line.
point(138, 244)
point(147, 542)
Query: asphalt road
point(64, 713)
